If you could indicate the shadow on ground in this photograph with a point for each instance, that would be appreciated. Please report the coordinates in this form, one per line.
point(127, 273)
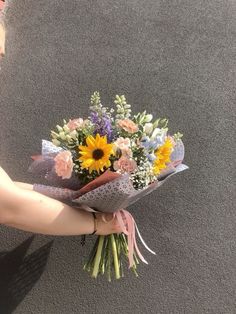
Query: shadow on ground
point(19, 273)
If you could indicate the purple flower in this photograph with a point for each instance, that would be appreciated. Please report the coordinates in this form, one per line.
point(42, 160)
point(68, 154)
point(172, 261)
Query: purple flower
point(102, 124)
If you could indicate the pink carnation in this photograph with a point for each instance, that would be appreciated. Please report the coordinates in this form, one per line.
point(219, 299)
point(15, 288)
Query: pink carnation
point(75, 123)
point(64, 164)
point(125, 164)
point(127, 152)
point(128, 125)
point(122, 143)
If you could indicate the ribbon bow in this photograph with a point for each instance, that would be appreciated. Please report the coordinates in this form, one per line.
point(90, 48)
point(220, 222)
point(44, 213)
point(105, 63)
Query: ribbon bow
point(128, 226)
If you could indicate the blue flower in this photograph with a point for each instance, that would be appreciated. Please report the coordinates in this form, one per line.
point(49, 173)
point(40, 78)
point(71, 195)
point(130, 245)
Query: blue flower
point(147, 143)
point(151, 157)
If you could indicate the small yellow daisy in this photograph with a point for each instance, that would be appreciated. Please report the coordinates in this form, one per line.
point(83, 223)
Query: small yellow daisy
point(95, 156)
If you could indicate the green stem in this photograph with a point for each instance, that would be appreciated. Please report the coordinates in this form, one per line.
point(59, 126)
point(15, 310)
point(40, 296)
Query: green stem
point(109, 250)
point(115, 257)
point(118, 247)
point(134, 270)
point(122, 251)
point(98, 257)
point(103, 255)
point(136, 258)
point(91, 256)
point(125, 248)
point(125, 245)
point(134, 254)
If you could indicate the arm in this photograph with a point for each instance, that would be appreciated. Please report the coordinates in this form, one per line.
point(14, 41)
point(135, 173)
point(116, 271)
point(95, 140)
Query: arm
point(32, 211)
point(23, 185)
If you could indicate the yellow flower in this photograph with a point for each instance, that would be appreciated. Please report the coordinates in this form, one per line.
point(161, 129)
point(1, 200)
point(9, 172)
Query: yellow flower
point(162, 156)
point(95, 156)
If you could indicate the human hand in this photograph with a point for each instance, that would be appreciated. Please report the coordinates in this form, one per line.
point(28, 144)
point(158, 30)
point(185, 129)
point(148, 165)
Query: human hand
point(107, 224)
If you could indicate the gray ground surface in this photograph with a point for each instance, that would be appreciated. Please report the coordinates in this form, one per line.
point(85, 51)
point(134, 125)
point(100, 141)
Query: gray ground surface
point(175, 58)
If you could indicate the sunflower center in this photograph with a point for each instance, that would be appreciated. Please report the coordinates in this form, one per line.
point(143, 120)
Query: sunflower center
point(98, 154)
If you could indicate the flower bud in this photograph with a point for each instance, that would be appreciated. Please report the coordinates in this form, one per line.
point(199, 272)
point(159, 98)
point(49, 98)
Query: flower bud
point(62, 135)
point(148, 127)
point(73, 134)
point(66, 129)
point(148, 118)
point(60, 129)
point(56, 142)
point(54, 134)
point(69, 138)
point(155, 123)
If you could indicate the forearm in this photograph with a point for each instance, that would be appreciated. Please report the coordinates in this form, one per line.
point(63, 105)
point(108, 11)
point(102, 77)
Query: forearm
point(28, 210)
point(23, 185)
point(35, 212)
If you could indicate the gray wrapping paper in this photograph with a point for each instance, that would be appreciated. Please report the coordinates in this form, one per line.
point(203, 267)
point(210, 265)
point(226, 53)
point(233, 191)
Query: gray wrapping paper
point(109, 197)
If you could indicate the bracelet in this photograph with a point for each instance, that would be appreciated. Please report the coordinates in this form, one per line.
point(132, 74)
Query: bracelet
point(83, 237)
point(95, 226)
point(95, 223)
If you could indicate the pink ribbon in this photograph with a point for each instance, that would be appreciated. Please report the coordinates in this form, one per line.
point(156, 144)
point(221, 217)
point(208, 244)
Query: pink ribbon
point(128, 226)
point(175, 163)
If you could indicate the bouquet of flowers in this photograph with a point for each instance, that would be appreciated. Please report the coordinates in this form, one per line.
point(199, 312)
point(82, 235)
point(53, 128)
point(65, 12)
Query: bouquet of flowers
point(106, 163)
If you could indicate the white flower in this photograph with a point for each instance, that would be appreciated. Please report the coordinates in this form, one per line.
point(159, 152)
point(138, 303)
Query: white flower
point(148, 127)
point(159, 136)
point(148, 118)
point(156, 132)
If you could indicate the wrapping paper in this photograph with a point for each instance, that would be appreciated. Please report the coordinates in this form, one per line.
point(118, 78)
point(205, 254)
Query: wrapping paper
point(117, 193)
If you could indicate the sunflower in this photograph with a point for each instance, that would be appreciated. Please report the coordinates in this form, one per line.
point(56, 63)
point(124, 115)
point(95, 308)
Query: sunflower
point(162, 156)
point(95, 156)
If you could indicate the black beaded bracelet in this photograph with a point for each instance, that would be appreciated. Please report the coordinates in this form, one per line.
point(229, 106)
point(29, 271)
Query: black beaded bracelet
point(95, 224)
point(95, 229)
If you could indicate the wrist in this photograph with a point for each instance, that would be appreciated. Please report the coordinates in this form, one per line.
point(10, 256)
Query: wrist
point(107, 224)
point(95, 223)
